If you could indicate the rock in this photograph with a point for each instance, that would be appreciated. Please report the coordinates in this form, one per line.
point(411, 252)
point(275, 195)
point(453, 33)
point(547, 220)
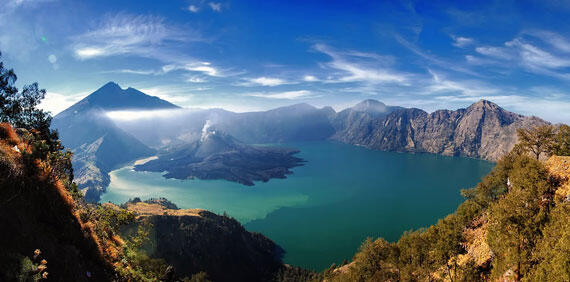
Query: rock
point(483, 130)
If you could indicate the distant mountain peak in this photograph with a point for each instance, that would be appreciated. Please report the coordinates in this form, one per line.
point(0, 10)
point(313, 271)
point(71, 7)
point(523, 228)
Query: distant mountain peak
point(485, 104)
point(112, 97)
point(110, 85)
point(370, 105)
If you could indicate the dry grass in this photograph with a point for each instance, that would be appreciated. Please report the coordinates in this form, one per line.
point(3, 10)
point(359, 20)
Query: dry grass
point(559, 167)
point(8, 134)
point(476, 243)
point(146, 209)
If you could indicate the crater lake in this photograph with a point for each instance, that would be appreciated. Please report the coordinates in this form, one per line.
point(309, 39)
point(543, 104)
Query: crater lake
point(322, 212)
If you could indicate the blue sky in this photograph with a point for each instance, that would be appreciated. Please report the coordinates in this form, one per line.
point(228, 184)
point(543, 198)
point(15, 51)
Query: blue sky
point(255, 55)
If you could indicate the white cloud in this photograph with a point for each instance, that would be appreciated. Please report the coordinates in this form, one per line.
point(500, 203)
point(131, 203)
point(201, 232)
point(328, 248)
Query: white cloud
point(372, 70)
point(496, 52)
point(475, 60)
point(145, 115)
point(216, 7)
point(57, 102)
point(130, 71)
point(462, 42)
point(554, 39)
point(534, 55)
point(310, 78)
point(193, 8)
point(282, 95)
point(202, 67)
point(127, 34)
point(196, 79)
point(471, 88)
point(264, 81)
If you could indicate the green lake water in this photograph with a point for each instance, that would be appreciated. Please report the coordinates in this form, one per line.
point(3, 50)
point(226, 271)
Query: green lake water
point(323, 211)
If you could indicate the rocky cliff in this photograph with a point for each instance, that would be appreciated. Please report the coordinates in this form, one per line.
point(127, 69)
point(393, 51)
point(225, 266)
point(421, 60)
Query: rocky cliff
point(483, 130)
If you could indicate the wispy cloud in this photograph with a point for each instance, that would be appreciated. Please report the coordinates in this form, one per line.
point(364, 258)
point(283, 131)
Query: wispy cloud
point(479, 61)
point(470, 88)
point(193, 8)
point(462, 42)
point(196, 79)
point(264, 81)
point(539, 52)
point(434, 59)
point(216, 7)
point(310, 78)
point(134, 71)
point(124, 34)
point(373, 69)
point(496, 52)
point(201, 67)
point(556, 40)
point(282, 95)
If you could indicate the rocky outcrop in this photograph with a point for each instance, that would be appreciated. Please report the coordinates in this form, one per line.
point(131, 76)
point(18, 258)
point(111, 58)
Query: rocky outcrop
point(483, 130)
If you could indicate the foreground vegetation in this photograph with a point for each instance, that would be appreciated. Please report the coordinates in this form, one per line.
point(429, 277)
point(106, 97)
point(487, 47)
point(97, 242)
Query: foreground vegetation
point(514, 225)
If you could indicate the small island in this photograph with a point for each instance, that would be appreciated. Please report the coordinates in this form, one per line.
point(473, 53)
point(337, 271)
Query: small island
point(218, 155)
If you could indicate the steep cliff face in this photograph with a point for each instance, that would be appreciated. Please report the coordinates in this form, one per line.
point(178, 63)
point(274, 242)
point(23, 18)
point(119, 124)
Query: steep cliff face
point(483, 130)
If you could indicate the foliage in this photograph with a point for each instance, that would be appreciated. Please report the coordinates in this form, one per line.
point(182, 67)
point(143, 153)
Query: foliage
point(15, 267)
point(198, 277)
point(19, 108)
point(376, 261)
point(553, 252)
point(562, 141)
point(538, 140)
point(136, 265)
point(517, 219)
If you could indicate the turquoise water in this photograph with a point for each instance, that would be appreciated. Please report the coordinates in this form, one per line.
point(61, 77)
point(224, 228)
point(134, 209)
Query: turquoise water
point(323, 211)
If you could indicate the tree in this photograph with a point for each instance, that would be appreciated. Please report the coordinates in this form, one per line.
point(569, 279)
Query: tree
point(19, 108)
point(537, 140)
point(517, 218)
point(553, 252)
point(562, 141)
point(376, 261)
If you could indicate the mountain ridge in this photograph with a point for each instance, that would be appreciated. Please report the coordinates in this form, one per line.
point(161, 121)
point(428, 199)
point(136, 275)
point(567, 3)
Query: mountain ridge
point(482, 130)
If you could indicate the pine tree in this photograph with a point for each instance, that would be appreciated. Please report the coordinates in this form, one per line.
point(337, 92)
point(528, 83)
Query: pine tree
point(538, 140)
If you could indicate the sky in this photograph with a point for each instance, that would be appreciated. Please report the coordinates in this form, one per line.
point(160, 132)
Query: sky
point(257, 55)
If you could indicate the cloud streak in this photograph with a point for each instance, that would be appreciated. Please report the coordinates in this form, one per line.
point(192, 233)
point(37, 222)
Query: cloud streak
point(539, 52)
point(373, 69)
point(124, 34)
point(462, 42)
point(288, 95)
